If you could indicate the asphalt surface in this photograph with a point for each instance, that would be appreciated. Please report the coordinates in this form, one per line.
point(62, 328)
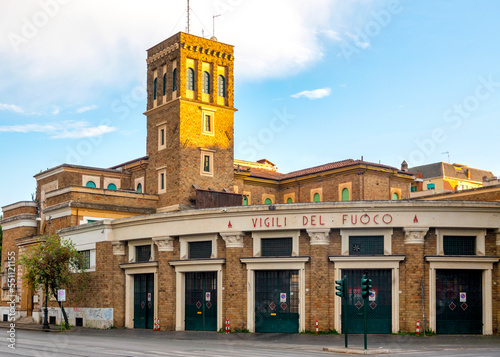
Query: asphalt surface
point(81, 342)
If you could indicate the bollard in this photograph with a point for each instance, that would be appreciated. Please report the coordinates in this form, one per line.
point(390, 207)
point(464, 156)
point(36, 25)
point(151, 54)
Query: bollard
point(418, 327)
point(155, 324)
point(317, 327)
point(158, 325)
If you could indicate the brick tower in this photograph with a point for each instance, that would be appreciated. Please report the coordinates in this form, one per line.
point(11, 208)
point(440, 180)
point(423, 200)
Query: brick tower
point(190, 118)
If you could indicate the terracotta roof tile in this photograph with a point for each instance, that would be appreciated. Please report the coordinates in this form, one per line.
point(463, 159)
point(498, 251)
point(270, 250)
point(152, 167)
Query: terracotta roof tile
point(267, 174)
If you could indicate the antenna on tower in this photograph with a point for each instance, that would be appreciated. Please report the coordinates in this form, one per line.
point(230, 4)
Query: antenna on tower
point(213, 24)
point(447, 152)
point(187, 26)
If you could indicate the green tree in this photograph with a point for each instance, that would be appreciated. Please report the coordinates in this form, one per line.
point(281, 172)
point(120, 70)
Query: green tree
point(53, 264)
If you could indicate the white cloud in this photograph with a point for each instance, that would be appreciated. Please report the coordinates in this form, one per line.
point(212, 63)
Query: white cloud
point(12, 108)
point(313, 94)
point(61, 130)
point(55, 110)
point(363, 44)
point(86, 108)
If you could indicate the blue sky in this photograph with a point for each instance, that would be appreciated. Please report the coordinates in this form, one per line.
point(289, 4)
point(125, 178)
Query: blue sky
point(315, 82)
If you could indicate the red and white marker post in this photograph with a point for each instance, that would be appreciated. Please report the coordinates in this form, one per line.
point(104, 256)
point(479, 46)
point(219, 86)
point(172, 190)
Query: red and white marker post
point(317, 327)
point(418, 327)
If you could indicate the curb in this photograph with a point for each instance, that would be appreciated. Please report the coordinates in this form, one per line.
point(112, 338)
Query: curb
point(32, 328)
point(357, 351)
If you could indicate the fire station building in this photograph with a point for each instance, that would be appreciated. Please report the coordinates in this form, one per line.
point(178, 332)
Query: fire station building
point(191, 237)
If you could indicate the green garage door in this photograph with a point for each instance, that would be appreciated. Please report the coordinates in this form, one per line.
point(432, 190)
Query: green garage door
point(277, 301)
point(144, 301)
point(459, 302)
point(379, 312)
point(201, 301)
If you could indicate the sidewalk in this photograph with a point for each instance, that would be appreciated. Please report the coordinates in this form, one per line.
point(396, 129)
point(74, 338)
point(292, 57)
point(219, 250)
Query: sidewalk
point(377, 344)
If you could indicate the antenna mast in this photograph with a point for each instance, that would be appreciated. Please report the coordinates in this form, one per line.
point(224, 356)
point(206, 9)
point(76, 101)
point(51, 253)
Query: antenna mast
point(447, 152)
point(187, 16)
point(213, 25)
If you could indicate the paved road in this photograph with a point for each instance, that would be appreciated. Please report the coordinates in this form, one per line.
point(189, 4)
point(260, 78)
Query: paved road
point(133, 343)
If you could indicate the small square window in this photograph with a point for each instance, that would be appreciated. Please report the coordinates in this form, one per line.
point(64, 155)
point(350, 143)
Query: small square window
point(142, 253)
point(431, 186)
point(276, 247)
point(366, 245)
point(459, 245)
point(200, 250)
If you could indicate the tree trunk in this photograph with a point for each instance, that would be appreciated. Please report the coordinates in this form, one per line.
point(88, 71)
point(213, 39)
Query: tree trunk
point(62, 308)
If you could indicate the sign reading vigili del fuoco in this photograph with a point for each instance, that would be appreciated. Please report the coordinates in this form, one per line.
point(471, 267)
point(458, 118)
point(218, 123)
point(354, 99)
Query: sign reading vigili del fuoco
point(312, 220)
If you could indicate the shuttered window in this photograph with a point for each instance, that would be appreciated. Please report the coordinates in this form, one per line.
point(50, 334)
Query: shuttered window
point(276, 247)
point(200, 250)
point(366, 245)
point(459, 245)
point(142, 253)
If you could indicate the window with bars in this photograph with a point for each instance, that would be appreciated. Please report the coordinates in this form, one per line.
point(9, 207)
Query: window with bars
point(366, 245)
point(459, 245)
point(276, 247)
point(200, 250)
point(142, 253)
point(86, 256)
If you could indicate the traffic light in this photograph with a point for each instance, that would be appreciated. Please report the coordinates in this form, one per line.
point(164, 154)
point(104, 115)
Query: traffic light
point(366, 286)
point(341, 287)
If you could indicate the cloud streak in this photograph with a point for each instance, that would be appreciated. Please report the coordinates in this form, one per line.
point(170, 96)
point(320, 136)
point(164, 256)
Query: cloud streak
point(313, 94)
point(12, 108)
point(86, 109)
point(63, 130)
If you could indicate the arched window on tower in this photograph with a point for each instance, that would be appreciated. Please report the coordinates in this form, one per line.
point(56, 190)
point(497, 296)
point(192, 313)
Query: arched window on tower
point(316, 197)
point(139, 188)
point(245, 201)
point(155, 88)
point(174, 80)
point(91, 184)
point(112, 186)
point(289, 200)
point(206, 82)
point(165, 84)
point(190, 79)
point(268, 201)
point(222, 86)
point(345, 194)
point(395, 196)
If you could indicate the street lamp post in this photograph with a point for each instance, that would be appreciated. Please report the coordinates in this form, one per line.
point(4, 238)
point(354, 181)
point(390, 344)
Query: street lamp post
point(46, 310)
